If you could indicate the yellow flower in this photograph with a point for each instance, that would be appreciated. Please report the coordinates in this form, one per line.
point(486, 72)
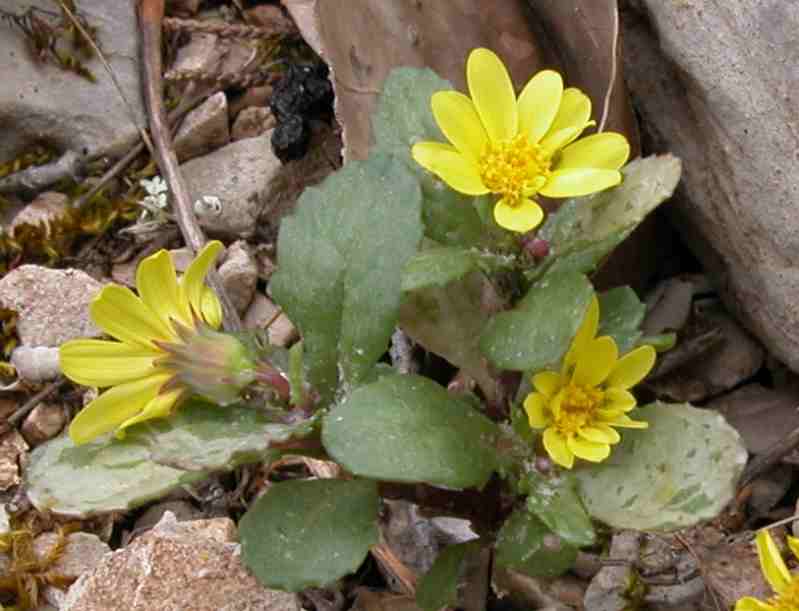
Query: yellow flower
point(144, 384)
point(776, 573)
point(518, 148)
point(579, 406)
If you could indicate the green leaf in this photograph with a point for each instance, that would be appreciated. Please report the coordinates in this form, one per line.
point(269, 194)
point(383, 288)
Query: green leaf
point(309, 533)
point(340, 262)
point(556, 503)
point(662, 342)
point(438, 267)
point(154, 458)
point(538, 331)
point(409, 429)
point(681, 470)
point(621, 316)
point(525, 544)
point(439, 586)
point(584, 230)
point(448, 321)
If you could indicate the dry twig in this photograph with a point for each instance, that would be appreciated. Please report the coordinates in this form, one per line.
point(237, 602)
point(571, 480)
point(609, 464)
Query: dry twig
point(151, 13)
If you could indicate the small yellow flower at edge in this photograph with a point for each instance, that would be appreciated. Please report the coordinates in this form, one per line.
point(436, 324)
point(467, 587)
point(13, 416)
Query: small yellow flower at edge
point(165, 312)
point(785, 585)
point(581, 406)
point(517, 148)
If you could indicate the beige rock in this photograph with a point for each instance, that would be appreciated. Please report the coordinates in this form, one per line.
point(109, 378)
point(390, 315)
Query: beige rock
point(53, 304)
point(12, 449)
point(44, 422)
point(239, 274)
point(204, 129)
point(177, 566)
point(44, 209)
point(252, 122)
point(262, 310)
point(253, 96)
point(271, 17)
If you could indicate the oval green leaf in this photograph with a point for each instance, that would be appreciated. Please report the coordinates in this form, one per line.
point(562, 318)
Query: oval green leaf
point(681, 470)
point(309, 533)
point(409, 429)
point(524, 543)
point(537, 332)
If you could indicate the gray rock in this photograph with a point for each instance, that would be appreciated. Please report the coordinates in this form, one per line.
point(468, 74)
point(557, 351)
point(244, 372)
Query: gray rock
point(239, 274)
point(240, 175)
point(204, 129)
point(761, 415)
point(177, 566)
point(44, 422)
point(39, 101)
point(715, 82)
point(52, 304)
point(251, 122)
point(36, 364)
point(736, 359)
point(182, 510)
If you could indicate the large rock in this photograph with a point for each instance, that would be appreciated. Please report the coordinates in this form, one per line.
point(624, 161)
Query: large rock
point(239, 174)
point(41, 102)
point(177, 566)
point(715, 81)
point(52, 304)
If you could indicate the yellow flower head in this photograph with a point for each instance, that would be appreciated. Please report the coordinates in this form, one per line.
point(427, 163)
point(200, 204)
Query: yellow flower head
point(785, 585)
point(579, 406)
point(139, 366)
point(518, 148)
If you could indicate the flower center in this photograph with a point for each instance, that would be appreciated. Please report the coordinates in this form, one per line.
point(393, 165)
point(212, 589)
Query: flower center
point(515, 168)
point(788, 599)
point(577, 408)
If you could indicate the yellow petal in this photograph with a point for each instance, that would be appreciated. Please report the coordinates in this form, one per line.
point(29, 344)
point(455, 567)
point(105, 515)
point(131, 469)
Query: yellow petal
point(595, 362)
point(771, 562)
point(539, 102)
point(606, 151)
point(547, 383)
point(625, 422)
point(521, 218)
point(123, 316)
point(576, 182)
point(588, 450)
point(574, 112)
point(619, 400)
point(492, 92)
point(556, 447)
point(632, 367)
point(752, 604)
point(537, 413)
point(158, 288)
point(113, 407)
point(600, 433)
point(456, 116)
point(557, 140)
point(193, 281)
point(585, 334)
point(211, 308)
point(96, 362)
point(793, 543)
point(450, 166)
point(159, 406)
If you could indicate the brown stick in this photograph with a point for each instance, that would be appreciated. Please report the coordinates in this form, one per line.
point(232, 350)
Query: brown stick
point(151, 12)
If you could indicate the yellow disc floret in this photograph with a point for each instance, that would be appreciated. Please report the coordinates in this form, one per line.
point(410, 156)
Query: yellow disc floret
point(514, 168)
